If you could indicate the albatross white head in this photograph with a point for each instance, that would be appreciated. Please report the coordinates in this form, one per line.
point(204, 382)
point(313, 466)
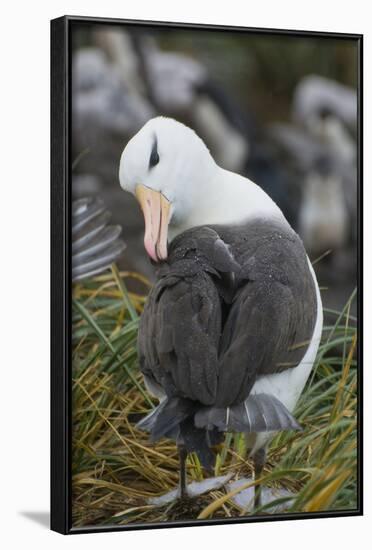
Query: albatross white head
point(178, 185)
point(165, 165)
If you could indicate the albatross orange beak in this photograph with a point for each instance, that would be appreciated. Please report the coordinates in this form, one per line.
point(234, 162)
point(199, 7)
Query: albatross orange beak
point(156, 211)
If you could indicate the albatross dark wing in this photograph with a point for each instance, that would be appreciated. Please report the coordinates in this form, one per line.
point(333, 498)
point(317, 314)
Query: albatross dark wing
point(182, 321)
point(179, 333)
point(272, 318)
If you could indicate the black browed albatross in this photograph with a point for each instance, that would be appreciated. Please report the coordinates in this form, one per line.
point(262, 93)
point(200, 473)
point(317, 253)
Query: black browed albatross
point(231, 328)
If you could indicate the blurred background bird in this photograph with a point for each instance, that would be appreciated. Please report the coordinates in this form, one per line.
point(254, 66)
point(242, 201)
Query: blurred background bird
point(261, 112)
point(95, 243)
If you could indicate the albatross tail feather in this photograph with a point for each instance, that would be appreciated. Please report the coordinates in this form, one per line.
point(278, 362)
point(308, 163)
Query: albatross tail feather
point(199, 428)
point(174, 418)
point(258, 413)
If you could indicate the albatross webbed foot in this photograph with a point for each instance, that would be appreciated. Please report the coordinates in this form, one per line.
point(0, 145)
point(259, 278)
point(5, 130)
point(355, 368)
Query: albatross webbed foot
point(245, 499)
point(193, 490)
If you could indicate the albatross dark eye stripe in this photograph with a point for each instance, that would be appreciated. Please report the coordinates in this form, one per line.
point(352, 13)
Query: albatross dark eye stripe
point(154, 157)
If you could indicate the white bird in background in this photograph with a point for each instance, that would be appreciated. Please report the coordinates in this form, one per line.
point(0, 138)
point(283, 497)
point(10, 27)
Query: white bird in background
point(102, 102)
point(231, 329)
point(315, 95)
point(172, 82)
point(321, 145)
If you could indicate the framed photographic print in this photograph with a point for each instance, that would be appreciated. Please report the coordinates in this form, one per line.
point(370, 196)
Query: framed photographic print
point(206, 260)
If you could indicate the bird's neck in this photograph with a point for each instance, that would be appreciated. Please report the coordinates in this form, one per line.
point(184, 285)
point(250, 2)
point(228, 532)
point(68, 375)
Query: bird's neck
point(227, 199)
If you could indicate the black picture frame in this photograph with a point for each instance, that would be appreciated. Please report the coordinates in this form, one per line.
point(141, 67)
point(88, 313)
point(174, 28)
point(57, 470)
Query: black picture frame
point(61, 269)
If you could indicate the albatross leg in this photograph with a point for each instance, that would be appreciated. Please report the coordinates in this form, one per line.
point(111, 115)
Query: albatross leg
point(183, 474)
point(259, 459)
point(184, 493)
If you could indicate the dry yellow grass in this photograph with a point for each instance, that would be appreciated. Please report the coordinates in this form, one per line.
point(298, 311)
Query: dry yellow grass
point(115, 470)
